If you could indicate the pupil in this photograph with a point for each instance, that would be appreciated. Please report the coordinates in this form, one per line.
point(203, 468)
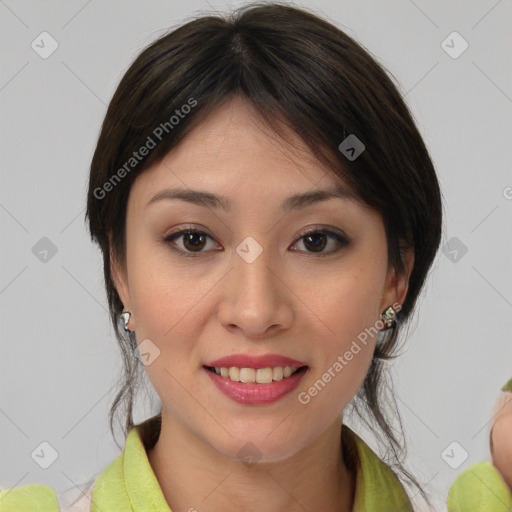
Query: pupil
point(189, 238)
point(316, 245)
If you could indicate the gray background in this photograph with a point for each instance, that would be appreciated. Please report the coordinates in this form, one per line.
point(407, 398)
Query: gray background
point(60, 362)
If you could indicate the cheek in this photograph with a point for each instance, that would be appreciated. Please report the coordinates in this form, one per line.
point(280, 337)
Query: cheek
point(163, 298)
point(157, 278)
point(350, 302)
point(167, 310)
point(166, 306)
point(349, 318)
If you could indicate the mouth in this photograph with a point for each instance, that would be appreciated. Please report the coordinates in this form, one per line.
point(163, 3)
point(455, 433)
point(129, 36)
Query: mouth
point(256, 376)
point(256, 386)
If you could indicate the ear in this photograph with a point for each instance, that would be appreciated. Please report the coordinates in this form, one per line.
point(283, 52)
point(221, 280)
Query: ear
point(120, 278)
point(397, 284)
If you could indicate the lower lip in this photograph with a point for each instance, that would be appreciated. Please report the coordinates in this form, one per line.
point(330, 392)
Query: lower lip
point(256, 394)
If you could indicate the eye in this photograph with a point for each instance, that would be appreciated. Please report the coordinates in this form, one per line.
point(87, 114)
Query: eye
point(194, 241)
point(317, 240)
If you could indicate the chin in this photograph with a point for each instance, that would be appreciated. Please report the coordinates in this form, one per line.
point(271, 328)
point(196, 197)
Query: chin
point(256, 446)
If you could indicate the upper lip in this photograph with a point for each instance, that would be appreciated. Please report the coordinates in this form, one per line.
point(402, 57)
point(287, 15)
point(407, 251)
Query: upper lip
point(248, 361)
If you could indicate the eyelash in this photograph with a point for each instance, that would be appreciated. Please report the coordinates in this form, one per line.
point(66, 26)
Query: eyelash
point(342, 240)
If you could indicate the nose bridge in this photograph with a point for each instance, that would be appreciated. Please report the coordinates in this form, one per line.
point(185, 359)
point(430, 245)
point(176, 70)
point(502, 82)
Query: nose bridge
point(256, 299)
point(253, 273)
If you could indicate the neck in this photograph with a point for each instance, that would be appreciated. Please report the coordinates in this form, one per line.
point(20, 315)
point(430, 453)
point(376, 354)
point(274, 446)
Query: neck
point(194, 476)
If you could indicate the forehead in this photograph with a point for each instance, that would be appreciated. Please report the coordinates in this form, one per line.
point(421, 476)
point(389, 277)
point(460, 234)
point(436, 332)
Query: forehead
point(232, 153)
point(235, 136)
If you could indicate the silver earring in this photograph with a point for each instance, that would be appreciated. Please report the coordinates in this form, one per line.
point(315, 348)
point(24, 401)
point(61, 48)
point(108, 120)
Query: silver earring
point(125, 315)
point(388, 317)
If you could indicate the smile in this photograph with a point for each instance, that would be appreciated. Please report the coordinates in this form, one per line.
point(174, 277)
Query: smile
point(250, 386)
point(260, 375)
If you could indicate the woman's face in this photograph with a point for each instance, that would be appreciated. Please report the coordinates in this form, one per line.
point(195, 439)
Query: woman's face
point(253, 284)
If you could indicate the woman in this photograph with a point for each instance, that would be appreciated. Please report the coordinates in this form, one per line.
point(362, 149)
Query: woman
point(267, 213)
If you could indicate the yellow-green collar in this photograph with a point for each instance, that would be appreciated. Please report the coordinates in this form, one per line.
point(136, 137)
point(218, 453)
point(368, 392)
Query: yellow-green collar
point(130, 484)
point(377, 488)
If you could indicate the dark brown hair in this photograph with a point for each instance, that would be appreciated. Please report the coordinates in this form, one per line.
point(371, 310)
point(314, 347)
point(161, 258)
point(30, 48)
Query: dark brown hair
point(300, 72)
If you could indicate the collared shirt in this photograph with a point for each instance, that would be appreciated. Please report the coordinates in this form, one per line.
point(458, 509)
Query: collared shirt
point(128, 484)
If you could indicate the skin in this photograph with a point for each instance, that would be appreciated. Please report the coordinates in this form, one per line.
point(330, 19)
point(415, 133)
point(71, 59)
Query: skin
point(501, 447)
point(290, 301)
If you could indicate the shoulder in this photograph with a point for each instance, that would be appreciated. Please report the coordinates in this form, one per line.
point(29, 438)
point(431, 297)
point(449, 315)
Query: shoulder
point(479, 488)
point(28, 498)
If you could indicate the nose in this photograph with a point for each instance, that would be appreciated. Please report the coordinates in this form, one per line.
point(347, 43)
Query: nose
point(256, 298)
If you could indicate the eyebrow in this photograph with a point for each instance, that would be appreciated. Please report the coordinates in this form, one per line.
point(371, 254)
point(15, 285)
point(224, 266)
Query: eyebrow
point(207, 199)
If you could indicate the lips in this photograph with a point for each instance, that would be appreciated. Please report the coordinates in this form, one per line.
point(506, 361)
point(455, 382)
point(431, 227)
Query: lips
point(256, 362)
point(254, 394)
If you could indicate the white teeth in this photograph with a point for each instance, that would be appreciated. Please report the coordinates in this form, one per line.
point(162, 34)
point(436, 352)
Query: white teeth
point(278, 373)
point(247, 375)
point(234, 374)
point(264, 375)
point(252, 375)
